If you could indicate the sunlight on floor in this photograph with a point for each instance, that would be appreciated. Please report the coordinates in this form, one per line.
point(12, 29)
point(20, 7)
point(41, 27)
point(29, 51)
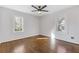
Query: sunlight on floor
point(61, 49)
point(19, 49)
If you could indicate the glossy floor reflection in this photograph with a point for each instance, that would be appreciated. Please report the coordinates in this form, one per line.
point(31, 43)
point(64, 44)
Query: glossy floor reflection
point(38, 44)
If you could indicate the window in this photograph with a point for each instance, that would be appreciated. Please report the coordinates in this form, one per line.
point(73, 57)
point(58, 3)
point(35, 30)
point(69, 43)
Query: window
point(61, 24)
point(18, 24)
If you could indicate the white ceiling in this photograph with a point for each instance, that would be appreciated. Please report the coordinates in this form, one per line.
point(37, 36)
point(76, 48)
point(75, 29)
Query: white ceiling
point(28, 8)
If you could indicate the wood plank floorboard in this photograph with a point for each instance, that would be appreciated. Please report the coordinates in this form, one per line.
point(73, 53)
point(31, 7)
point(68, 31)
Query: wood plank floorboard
point(38, 44)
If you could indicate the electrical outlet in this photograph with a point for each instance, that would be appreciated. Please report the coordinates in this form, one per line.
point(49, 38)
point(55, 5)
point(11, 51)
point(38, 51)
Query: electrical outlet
point(72, 37)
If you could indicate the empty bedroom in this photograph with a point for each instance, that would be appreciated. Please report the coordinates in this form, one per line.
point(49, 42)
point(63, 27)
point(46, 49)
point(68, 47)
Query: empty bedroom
point(39, 29)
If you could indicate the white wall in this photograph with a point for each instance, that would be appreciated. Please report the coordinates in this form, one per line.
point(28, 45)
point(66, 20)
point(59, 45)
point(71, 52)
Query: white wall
point(73, 24)
point(71, 15)
point(31, 25)
point(71, 27)
point(47, 25)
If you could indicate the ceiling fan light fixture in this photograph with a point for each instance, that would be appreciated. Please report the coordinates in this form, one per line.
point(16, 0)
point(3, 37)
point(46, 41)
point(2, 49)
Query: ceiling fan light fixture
point(39, 9)
point(39, 12)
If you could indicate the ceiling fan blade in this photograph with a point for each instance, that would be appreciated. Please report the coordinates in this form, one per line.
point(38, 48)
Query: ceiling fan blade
point(34, 7)
point(45, 10)
point(34, 10)
point(44, 6)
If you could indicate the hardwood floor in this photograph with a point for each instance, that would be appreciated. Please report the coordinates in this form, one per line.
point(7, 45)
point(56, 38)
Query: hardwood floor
point(66, 47)
point(63, 47)
point(38, 44)
point(35, 44)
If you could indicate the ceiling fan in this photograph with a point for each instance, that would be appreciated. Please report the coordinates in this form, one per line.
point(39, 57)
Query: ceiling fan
point(39, 9)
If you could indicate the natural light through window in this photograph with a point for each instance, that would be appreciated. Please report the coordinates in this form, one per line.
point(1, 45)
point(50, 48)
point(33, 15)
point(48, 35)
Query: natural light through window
point(53, 40)
point(18, 24)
